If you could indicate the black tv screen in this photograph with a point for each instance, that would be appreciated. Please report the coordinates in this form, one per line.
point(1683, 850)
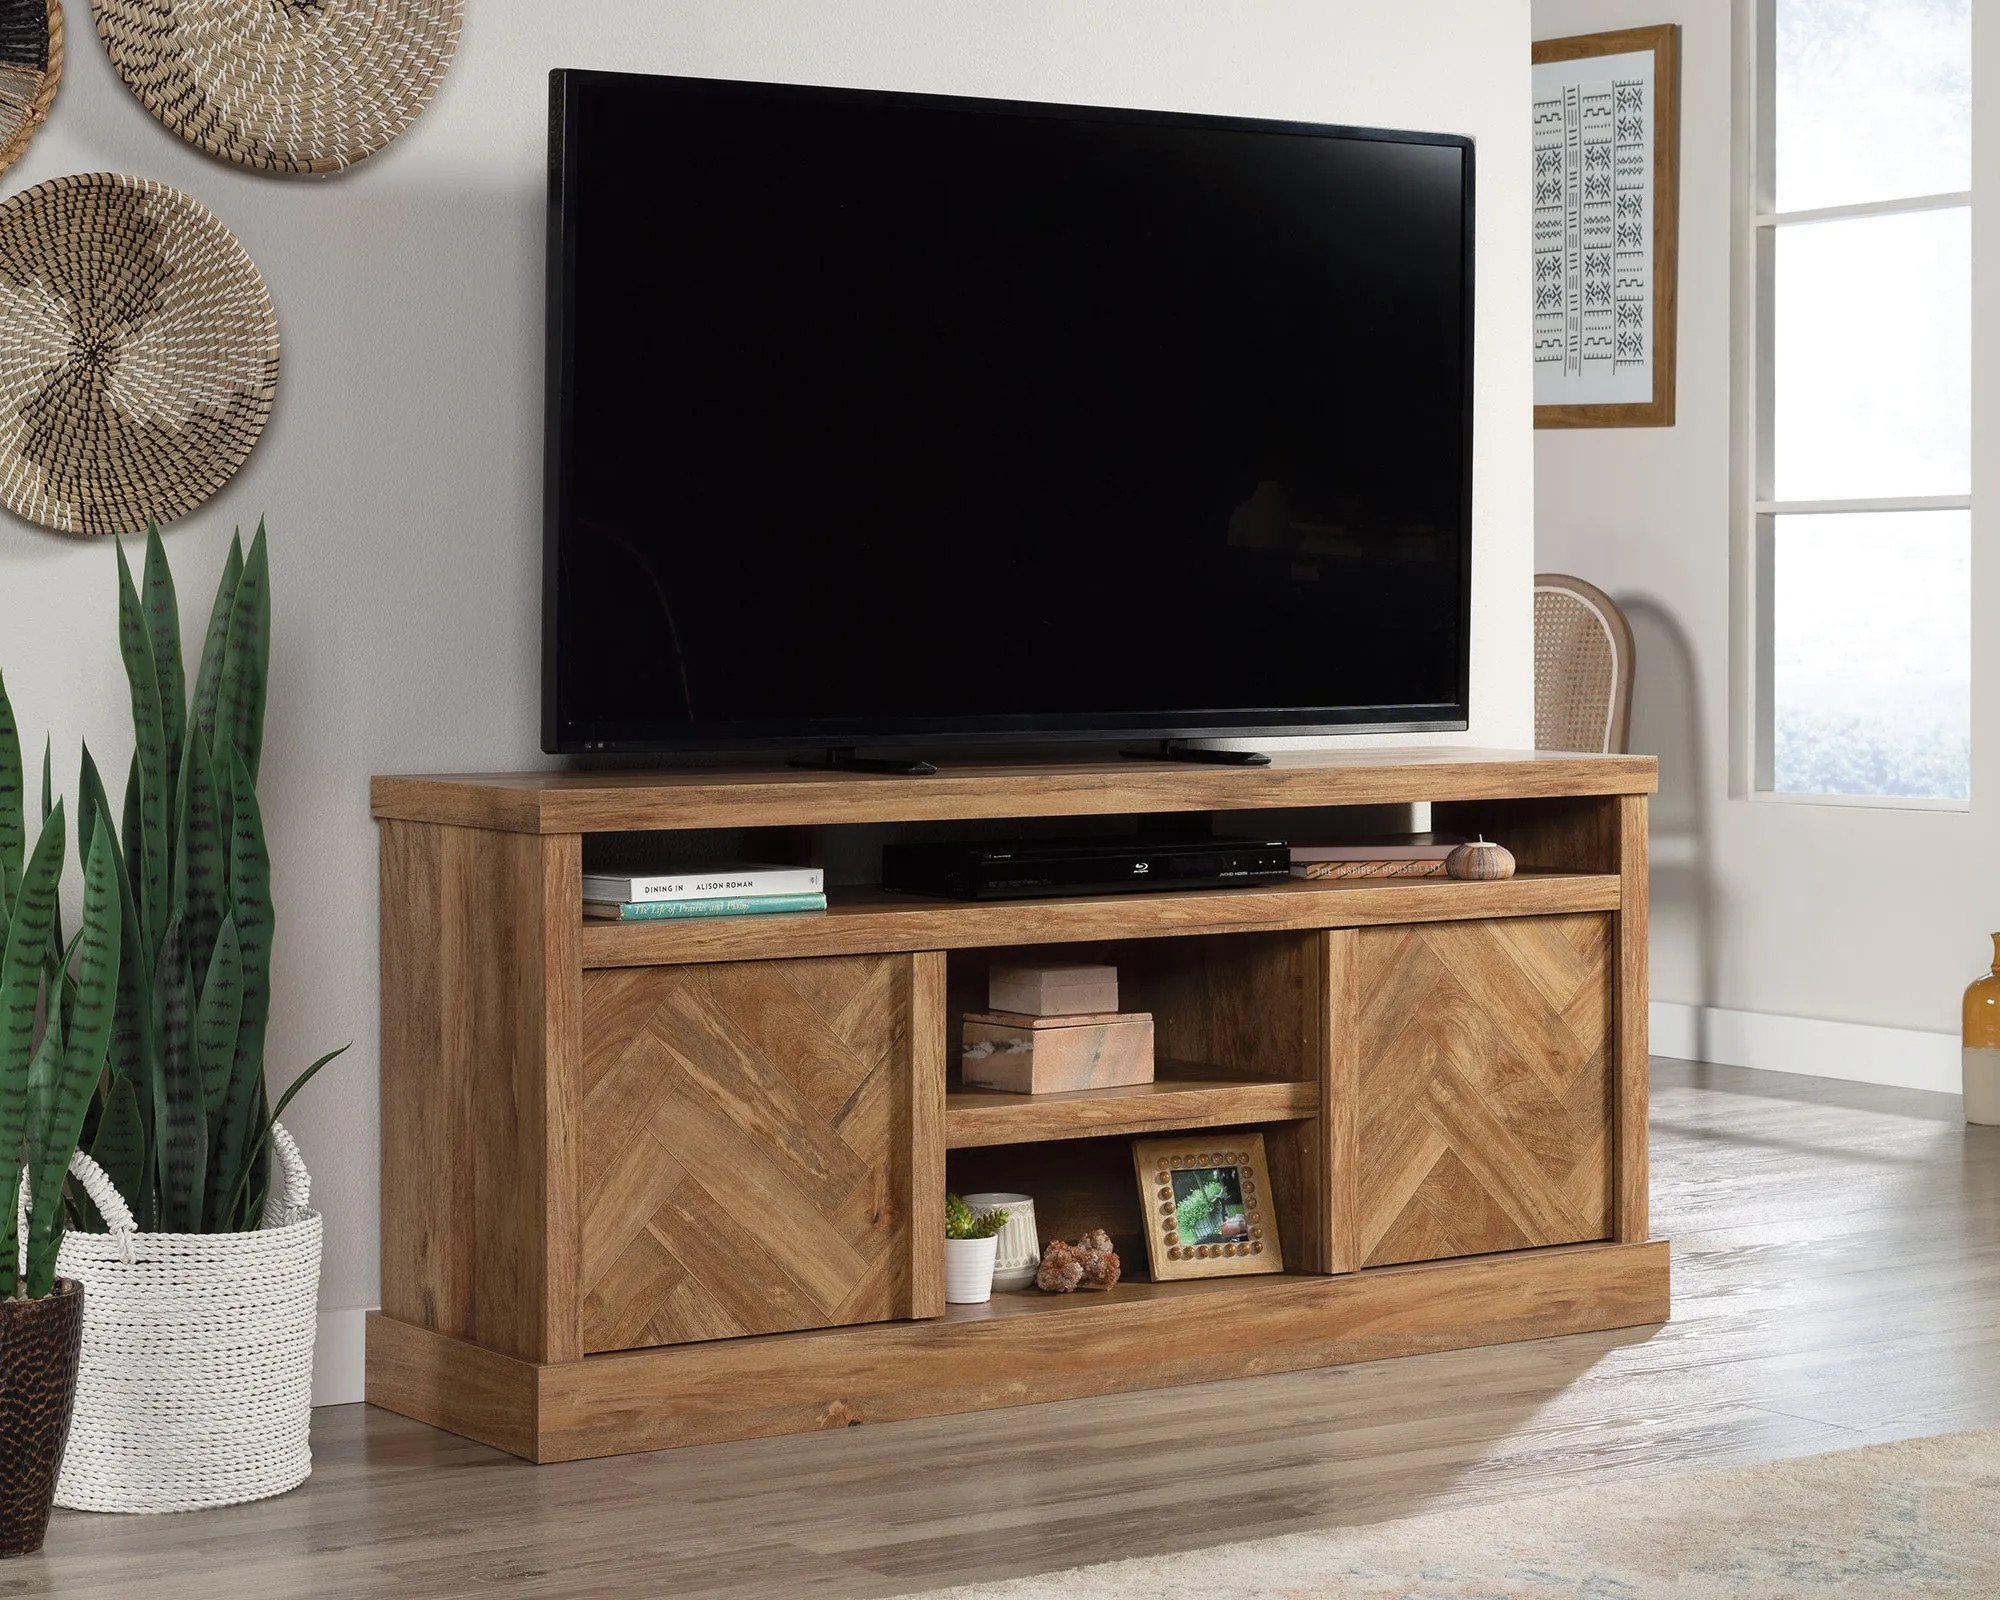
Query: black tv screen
point(885, 418)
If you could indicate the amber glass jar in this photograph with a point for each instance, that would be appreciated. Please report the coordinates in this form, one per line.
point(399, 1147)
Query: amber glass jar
point(1982, 1044)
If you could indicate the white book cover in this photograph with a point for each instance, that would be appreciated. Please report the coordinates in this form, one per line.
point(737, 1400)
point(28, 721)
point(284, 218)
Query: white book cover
point(718, 881)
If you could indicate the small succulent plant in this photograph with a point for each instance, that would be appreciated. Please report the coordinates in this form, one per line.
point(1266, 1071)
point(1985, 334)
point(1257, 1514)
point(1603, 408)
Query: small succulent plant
point(962, 1222)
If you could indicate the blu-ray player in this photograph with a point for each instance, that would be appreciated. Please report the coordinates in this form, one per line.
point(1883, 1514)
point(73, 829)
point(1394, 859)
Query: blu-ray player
point(1027, 869)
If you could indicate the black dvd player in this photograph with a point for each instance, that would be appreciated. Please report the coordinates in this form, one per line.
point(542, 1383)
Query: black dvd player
point(1030, 868)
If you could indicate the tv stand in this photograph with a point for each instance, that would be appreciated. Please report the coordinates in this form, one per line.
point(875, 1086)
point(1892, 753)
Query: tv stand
point(676, 1182)
point(842, 758)
point(1181, 750)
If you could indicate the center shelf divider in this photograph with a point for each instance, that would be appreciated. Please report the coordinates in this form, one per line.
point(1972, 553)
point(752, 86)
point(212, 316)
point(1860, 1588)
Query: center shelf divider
point(1182, 1095)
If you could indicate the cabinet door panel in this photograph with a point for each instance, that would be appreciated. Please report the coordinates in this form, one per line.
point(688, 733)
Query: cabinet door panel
point(1486, 1086)
point(746, 1149)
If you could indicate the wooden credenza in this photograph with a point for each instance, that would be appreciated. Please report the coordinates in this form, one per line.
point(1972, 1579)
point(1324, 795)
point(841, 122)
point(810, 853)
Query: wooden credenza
point(676, 1182)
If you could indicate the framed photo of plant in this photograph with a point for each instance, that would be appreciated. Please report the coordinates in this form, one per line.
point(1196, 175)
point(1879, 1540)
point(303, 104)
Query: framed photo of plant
point(1206, 1198)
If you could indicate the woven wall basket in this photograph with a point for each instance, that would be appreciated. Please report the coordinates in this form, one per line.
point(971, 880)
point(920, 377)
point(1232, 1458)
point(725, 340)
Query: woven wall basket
point(138, 354)
point(195, 1387)
point(31, 63)
point(282, 85)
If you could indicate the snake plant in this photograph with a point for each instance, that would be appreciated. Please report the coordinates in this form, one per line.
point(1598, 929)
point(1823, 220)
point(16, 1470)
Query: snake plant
point(182, 1121)
point(57, 1004)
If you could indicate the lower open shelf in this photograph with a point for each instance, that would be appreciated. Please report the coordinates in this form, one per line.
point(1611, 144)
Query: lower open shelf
point(1010, 1352)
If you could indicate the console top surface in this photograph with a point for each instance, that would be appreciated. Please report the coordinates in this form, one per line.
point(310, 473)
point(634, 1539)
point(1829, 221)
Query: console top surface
point(627, 800)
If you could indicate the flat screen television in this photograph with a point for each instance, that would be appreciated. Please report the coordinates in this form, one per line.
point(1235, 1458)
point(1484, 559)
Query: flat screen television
point(895, 419)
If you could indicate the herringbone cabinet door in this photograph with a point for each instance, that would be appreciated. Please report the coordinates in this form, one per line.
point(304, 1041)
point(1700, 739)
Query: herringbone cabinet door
point(1486, 1086)
point(745, 1148)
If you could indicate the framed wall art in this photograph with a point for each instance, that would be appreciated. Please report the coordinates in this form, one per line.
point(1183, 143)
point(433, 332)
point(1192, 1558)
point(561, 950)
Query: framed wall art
point(1206, 1199)
point(1606, 224)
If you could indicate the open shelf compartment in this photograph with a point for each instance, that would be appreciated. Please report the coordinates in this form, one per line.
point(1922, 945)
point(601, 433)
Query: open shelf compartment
point(874, 920)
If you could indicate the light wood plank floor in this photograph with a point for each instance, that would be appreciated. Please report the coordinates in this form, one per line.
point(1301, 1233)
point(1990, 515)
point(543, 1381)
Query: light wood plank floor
point(1836, 1282)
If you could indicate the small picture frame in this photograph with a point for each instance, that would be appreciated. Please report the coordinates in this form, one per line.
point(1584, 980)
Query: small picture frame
point(1206, 1198)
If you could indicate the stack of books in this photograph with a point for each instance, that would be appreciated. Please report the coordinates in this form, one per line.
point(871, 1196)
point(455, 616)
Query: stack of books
point(726, 889)
point(1406, 855)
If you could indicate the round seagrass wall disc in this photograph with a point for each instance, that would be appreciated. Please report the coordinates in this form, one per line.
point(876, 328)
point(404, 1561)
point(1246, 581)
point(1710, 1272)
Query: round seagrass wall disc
point(138, 354)
point(282, 85)
point(31, 61)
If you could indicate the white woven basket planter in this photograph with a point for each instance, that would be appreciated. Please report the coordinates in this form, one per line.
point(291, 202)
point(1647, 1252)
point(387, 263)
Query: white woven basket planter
point(195, 1385)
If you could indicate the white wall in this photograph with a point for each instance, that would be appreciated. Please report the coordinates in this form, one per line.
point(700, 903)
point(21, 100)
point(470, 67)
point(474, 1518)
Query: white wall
point(1764, 911)
point(401, 470)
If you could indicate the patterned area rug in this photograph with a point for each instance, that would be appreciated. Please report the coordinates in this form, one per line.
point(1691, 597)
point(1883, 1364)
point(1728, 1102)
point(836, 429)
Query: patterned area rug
point(1916, 1518)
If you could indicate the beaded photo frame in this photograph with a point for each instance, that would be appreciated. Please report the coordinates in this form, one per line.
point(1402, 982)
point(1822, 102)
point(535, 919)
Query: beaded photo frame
point(1206, 1200)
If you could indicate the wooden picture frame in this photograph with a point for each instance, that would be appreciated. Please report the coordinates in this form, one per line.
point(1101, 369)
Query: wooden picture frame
point(1231, 1164)
point(1572, 271)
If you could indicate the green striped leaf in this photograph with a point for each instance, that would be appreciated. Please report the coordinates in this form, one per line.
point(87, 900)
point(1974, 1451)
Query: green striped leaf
point(250, 908)
point(200, 848)
point(150, 865)
point(99, 943)
point(128, 1028)
point(46, 1208)
point(208, 677)
point(183, 1139)
point(163, 630)
point(246, 661)
point(21, 968)
point(225, 812)
point(13, 810)
point(130, 845)
point(57, 958)
point(217, 1017)
point(91, 806)
point(132, 1056)
point(63, 1095)
point(247, 1199)
point(250, 891)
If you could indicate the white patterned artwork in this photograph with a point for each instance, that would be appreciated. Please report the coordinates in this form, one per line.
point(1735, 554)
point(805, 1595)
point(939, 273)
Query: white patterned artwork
point(1595, 339)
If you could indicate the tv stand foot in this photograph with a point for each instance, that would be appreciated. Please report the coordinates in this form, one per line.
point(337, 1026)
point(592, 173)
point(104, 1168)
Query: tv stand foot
point(841, 758)
point(1176, 750)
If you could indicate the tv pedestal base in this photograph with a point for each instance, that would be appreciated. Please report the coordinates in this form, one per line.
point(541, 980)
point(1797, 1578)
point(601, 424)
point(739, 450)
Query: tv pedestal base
point(667, 1183)
point(845, 759)
point(842, 758)
point(1177, 750)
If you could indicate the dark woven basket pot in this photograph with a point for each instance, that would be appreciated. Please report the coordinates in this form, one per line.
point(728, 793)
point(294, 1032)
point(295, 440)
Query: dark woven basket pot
point(39, 1340)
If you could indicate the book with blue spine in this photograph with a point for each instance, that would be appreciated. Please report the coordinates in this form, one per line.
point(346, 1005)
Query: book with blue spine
point(712, 906)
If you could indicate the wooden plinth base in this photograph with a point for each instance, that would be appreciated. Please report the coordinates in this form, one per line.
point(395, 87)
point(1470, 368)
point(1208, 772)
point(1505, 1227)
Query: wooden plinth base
point(1019, 1349)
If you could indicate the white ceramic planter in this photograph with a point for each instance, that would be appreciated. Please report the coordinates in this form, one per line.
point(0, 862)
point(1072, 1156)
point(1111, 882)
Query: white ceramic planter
point(968, 1271)
point(1019, 1257)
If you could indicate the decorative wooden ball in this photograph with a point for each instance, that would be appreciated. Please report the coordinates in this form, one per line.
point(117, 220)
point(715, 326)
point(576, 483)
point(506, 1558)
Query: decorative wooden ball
point(1481, 861)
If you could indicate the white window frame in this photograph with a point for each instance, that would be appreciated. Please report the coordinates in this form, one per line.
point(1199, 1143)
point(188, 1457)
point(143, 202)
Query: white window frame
point(1755, 224)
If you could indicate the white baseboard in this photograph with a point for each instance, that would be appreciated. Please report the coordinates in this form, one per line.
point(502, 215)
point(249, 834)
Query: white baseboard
point(1902, 1058)
point(338, 1369)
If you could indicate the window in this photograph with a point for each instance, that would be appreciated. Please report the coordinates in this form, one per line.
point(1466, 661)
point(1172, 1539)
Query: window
point(1861, 449)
